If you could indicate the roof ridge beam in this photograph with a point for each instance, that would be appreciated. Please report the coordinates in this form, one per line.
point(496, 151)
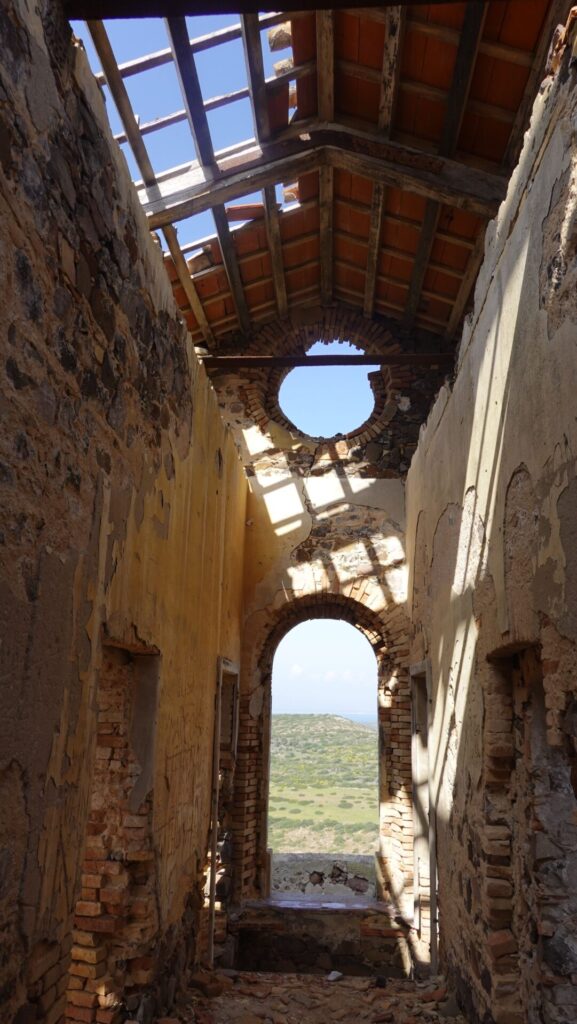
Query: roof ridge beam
point(365, 154)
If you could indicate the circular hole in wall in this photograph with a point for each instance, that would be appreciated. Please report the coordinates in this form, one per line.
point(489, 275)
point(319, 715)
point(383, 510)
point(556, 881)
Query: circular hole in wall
point(324, 401)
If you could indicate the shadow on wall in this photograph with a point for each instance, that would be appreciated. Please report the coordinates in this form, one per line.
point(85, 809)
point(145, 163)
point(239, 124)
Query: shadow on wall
point(483, 503)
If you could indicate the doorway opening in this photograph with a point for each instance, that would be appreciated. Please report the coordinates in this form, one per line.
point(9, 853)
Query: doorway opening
point(323, 819)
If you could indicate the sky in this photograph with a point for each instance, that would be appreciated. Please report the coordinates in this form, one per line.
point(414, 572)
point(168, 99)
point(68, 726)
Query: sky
point(322, 666)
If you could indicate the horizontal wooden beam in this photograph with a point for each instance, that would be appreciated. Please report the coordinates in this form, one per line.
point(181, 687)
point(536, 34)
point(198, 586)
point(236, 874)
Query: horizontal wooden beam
point(87, 9)
point(362, 153)
point(281, 362)
point(198, 44)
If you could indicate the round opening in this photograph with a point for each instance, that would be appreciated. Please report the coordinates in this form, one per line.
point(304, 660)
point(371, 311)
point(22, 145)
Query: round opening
point(324, 401)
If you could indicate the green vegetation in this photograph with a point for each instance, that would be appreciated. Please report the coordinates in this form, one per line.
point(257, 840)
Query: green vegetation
point(323, 787)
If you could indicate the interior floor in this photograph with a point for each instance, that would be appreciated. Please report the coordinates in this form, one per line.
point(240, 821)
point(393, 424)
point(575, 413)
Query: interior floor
point(252, 997)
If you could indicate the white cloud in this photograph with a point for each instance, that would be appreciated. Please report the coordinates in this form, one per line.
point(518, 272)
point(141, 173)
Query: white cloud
point(296, 669)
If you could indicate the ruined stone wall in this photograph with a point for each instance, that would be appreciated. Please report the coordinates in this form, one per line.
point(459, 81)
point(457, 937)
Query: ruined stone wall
point(120, 492)
point(491, 545)
point(325, 523)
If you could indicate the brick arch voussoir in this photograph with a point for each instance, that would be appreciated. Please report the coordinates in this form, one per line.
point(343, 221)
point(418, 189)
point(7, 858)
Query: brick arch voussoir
point(323, 606)
point(281, 338)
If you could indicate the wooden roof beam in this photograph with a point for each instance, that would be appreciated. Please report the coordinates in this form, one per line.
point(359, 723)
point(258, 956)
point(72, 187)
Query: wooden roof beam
point(326, 112)
point(87, 9)
point(257, 86)
point(198, 44)
point(557, 14)
point(465, 61)
point(124, 107)
point(362, 153)
point(390, 71)
point(192, 96)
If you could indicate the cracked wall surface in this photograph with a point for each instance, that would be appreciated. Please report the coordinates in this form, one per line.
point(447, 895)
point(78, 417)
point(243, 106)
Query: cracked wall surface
point(491, 546)
point(121, 490)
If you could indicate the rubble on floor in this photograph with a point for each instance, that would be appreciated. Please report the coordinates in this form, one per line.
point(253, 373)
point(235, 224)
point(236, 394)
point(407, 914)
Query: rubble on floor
point(234, 997)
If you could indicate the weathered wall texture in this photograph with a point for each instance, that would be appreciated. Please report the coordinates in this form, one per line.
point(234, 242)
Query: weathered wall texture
point(120, 492)
point(491, 540)
point(325, 525)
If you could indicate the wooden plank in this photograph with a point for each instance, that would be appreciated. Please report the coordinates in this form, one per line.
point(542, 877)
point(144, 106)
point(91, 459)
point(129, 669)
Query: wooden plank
point(87, 9)
point(326, 232)
point(255, 73)
point(120, 96)
point(122, 100)
point(192, 95)
point(558, 14)
point(191, 92)
point(198, 44)
point(187, 283)
point(463, 71)
point(325, 65)
point(373, 249)
point(362, 153)
point(326, 111)
point(275, 246)
point(380, 359)
point(394, 19)
point(390, 71)
point(230, 261)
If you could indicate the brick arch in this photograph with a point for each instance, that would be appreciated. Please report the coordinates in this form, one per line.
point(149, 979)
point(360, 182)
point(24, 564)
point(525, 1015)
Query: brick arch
point(325, 606)
point(386, 631)
point(261, 387)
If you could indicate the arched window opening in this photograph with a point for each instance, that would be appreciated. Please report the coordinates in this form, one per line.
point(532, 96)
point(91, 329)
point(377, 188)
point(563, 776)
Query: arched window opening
point(323, 816)
point(325, 401)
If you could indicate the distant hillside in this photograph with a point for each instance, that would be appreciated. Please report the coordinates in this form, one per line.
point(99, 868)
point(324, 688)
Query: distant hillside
point(323, 785)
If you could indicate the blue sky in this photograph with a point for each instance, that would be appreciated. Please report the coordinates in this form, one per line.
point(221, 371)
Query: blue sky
point(321, 666)
point(324, 666)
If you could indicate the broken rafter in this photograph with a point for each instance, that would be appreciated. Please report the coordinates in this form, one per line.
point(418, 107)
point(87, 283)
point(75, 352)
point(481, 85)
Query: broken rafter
point(276, 362)
point(362, 153)
point(192, 96)
point(465, 61)
point(124, 107)
point(257, 87)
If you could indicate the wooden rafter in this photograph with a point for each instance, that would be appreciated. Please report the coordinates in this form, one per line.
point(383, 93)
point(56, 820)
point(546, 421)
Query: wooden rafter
point(134, 137)
point(390, 71)
point(558, 14)
point(258, 92)
point(192, 96)
point(198, 44)
point(326, 113)
point(394, 26)
point(469, 41)
point(362, 153)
